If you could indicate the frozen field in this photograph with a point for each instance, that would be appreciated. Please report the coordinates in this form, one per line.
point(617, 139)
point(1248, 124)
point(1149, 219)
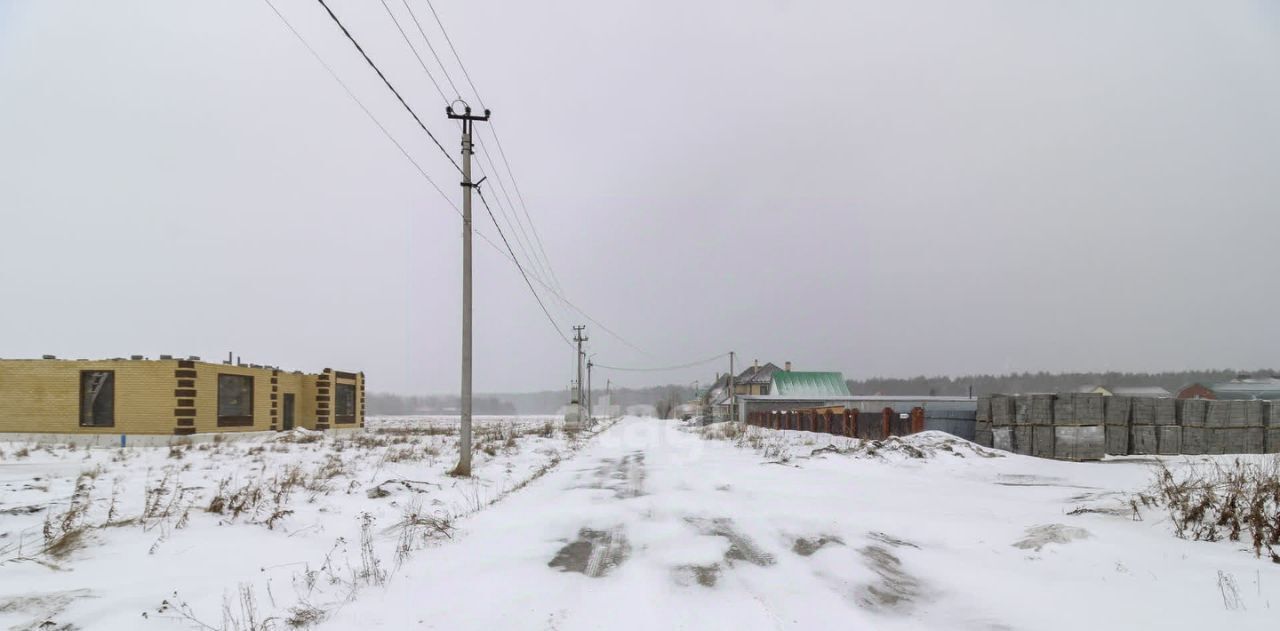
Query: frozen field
point(649, 524)
point(287, 525)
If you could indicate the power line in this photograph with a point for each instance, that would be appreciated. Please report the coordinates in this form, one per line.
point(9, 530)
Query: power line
point(415, 51)
point(497, 140)
point(388, 83)
point(431, 48)
point(422, 172)
point(363, 108)
point(665, 368)
point(521, 268)
point(525, 244)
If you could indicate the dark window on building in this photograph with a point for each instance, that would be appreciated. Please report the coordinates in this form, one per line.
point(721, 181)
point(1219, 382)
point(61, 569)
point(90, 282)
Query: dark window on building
point(97, 398)
point(344, 401)
point(235, 400)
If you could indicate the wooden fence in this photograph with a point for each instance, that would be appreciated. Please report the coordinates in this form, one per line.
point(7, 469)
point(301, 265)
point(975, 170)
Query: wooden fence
point(842, 422)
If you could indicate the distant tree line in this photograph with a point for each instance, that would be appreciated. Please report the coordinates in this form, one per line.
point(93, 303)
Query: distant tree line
point(665, 398)
point(386, 404)
point(1019, 383)
point(545, 402)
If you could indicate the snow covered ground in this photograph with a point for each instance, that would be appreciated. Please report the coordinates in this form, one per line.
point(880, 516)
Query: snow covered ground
point(288, 525)
point(649, 524)
point(653, 526)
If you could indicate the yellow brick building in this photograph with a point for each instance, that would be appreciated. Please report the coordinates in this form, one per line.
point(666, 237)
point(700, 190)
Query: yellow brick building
point(172, 396)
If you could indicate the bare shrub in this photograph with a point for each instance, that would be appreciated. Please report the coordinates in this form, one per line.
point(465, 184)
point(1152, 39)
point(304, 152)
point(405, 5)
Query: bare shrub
point(1241, 500)
point(65, 532)
point(415, 527)
point(370, 567)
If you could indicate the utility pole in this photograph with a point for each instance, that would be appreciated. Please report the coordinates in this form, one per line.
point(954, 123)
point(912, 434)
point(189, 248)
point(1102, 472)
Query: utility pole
point(732, 398)
point(579, 338)
point(464, 441)
point(589, 404)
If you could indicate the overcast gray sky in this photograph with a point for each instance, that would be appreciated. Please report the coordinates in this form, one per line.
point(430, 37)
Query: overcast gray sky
point(883, 188)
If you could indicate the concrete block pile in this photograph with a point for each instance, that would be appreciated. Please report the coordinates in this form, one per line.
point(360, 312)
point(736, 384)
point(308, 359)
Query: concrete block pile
point(1087, 426)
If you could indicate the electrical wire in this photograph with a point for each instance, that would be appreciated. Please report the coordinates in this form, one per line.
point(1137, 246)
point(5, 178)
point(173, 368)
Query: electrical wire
point(521, 268)
point(497, 140)
point(386, 81)
point(363, 108)
point(413, 48)
point(508, 254)
point(664, 368)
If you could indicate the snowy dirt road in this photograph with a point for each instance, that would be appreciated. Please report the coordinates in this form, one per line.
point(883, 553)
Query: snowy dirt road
point(653, 526)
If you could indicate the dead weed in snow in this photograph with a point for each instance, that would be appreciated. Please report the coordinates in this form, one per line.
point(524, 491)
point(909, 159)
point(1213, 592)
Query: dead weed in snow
point(1211, 503)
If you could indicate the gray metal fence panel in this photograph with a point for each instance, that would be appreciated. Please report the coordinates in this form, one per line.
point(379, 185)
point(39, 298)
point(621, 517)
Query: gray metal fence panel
point(962, 427)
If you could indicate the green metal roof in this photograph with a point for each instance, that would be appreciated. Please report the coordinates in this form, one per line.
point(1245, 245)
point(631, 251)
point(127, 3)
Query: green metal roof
point(809, 384)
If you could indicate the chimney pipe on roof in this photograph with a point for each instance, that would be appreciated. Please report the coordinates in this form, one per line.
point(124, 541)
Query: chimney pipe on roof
point(788, 366)
point(755, 363)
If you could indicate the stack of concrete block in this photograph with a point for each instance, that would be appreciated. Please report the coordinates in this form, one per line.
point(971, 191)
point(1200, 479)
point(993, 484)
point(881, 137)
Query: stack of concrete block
point(1040, 416)
point(1215, 424)
point(1022, 425)
point(1168, 430)
point(1251, 438)
point(1142, 428)
point(1192, 414)
point(982, 424)
point(1117, 410)
point(1079, 432)
point(1002, 422)
point(1271, 433)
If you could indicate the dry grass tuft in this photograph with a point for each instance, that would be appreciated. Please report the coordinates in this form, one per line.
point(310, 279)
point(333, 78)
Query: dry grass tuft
point(1240, 501)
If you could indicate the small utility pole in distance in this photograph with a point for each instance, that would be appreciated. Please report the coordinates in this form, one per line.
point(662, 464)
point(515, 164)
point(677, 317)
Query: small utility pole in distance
point(590, 417)
point(732, 399)
point(579, 338)
point(464, 440)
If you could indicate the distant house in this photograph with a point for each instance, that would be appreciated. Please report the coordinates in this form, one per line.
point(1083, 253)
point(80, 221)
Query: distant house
point(786, 383)
point(756, 379)
point(1152, 392)
point(1242, 388)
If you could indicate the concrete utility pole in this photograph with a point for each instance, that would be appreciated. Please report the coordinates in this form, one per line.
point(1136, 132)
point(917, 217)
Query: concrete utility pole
point(589, 397)
point(464, 441)
point(732, 398)
point(579, 338)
